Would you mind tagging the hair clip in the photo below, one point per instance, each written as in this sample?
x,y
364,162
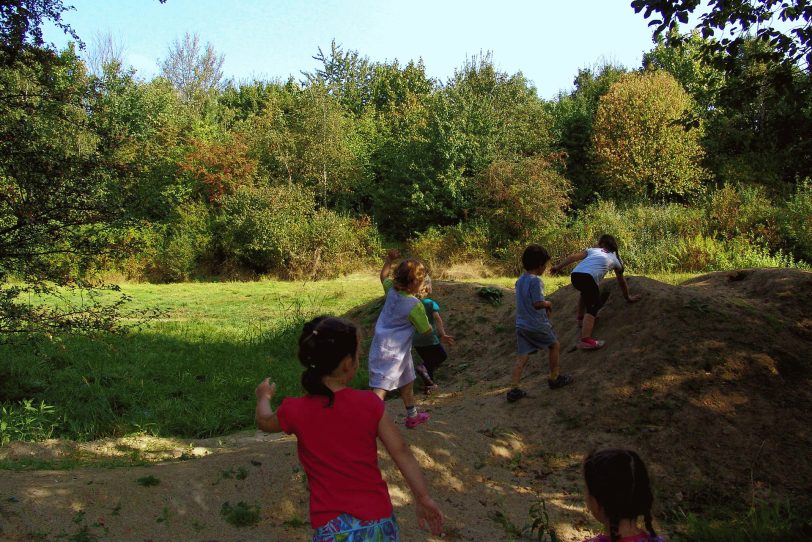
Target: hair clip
x,y
315,332
312,366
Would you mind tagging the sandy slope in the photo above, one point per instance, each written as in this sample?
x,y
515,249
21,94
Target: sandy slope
x,y
710,381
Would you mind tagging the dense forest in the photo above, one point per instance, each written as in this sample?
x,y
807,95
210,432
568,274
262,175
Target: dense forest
x,y
695,161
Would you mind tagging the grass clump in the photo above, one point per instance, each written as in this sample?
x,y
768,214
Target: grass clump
x,y
241,514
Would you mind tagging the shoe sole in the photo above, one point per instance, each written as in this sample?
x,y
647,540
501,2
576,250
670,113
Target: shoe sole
x,y
580,346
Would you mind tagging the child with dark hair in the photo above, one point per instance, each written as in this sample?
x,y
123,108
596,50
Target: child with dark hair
x,y
618,492
594,263
533,328
337,428
429,346
390,354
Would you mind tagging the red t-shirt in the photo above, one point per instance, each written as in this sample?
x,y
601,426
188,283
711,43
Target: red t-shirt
x,y
338,449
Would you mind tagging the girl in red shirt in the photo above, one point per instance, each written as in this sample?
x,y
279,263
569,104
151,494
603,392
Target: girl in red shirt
x,y
337,428
618,492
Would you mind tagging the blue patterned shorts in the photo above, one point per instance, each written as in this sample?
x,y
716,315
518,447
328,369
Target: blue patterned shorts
x,y
346,528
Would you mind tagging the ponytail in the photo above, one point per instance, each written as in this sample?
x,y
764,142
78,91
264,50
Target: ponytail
x,y
618,480
325,341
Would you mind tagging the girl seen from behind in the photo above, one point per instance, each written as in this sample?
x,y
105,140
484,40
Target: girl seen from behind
x,y
586,277
618,492
337,428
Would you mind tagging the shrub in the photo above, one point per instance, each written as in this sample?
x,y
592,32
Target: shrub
x,y
278,230
796,221
183,245
517,198
27,422
442,247
742,210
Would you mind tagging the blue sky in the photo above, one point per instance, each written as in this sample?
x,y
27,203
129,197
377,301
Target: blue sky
x,y
271,39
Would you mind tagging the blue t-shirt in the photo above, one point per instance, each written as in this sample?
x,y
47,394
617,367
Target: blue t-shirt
x,y
530,290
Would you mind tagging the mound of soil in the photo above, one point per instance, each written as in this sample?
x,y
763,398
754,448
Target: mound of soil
x,y
711,381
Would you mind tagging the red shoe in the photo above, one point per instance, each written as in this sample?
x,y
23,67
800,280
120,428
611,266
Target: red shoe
x,y
414,421
588,343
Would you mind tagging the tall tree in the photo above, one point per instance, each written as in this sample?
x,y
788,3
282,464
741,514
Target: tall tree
x,y
640,146
194,70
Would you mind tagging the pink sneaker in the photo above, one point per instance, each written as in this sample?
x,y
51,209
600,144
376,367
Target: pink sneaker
x,y
414,421
588,343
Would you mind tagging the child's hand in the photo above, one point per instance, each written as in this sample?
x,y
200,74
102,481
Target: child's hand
x,y
265,390
548,307
634,298
392,254
448,339
554,269
428,513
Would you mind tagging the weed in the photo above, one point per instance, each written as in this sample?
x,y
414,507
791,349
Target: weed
x,y
490,294
83,535
509,527
164,517
765,522
295,523
540,522
241,514
148,481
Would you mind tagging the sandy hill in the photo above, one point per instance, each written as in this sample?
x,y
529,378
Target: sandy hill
x,y
711,381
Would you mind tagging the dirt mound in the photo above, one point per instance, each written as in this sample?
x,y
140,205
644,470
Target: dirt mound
x,y
710,381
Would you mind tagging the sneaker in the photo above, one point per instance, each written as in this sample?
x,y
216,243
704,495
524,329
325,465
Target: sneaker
x,y
588,343
559,382
414,421
515,394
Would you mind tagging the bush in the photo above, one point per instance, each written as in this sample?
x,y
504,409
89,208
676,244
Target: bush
x,y
742,210
440,248
184,245
27,422
796,222
278,230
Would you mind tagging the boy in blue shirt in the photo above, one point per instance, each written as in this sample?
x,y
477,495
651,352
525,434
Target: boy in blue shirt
x,y
533,328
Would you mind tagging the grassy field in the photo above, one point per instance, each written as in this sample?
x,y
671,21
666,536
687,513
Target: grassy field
x,y
189,373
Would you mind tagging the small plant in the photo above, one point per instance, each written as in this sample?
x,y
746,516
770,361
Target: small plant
x,y
540,522
490,294
295,523
27,422
148,481
241,514
164,517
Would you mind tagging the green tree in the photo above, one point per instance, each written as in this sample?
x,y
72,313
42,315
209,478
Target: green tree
x,y
195,71
572,116
640,145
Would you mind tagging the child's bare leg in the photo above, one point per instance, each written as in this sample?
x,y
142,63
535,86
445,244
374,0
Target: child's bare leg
x,y
581,307
407,394
555,351
589,323
518,369
380,393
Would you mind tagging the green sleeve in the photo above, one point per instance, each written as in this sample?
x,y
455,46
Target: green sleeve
x,y
387,284
420,319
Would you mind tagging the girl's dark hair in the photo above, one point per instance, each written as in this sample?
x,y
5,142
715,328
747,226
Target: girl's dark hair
x,y
608,242
324,342
534,256
619,481
408,272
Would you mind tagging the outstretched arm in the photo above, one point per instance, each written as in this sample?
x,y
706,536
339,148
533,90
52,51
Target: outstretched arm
x,y
438,321
264,414
572,258
624,287
391,256
428,513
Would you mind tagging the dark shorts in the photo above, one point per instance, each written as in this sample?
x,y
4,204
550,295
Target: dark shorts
x,y
590,292
432,356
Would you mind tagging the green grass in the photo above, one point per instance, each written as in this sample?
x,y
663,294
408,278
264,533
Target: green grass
x,y
190,373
